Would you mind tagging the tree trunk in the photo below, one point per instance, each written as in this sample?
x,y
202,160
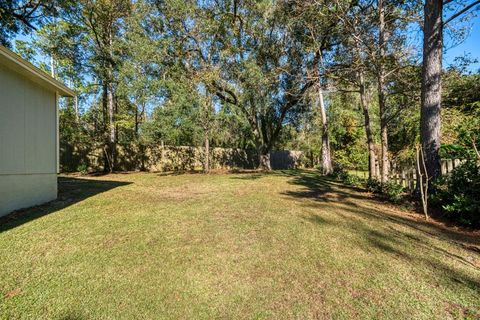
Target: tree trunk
x,y
372,172
136,121
431,87
207,153
206,130
53,71
264,158
326,158
111,106
385,163
112,141
75,105
104,129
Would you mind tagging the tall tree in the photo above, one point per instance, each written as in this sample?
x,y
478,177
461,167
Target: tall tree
x,y
22,16
101,22
327,167
432,86
431,98
251,57
321,36
353,70
382,40
389,56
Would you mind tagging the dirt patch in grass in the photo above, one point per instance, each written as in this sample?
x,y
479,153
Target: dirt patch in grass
x,y
13,293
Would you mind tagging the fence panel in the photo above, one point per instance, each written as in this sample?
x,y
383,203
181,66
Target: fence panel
x,y
170,158
407,175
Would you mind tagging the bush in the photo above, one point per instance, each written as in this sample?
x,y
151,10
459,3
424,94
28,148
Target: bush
x,y
373,185
392,191
338,172
341,174
82,168
352,180
458,195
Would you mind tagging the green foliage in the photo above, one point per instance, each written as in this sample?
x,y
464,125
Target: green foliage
x,y
82,168
393,191
341,174
21,17
26,51
458,195
347,136
353,180
173,125
389,190
374,186
462,90
461,116
242,74
338,171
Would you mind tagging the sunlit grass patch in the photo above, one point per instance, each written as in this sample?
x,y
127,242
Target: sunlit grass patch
x,y
282,245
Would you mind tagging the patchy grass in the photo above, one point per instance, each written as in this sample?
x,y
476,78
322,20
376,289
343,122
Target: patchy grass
x,y
359,173
282,245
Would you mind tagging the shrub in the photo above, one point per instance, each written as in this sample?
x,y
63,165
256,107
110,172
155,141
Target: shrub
x,y
352,180
338,172
458,195
82,168
373,185
392,191
341,174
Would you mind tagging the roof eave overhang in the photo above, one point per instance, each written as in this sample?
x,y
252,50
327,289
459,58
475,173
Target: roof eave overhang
x,y
19,65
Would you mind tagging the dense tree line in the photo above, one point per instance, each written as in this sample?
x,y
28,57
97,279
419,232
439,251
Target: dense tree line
x,y
341,80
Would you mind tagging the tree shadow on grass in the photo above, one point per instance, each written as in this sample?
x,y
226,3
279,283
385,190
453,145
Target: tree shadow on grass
x,y
73,316
350,199
395,234
440,266
318,188
70,191
179,173
249,176
246,174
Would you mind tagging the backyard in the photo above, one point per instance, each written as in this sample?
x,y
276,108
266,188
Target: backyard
x,y
287,244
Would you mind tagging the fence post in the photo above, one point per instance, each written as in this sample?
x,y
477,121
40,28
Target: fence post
x,y
456,163
449,165
414,179
407,176
411,185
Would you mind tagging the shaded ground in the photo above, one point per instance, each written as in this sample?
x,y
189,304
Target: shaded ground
x,y
282,245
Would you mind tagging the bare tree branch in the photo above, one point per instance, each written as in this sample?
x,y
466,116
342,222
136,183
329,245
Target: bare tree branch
x,y
462,11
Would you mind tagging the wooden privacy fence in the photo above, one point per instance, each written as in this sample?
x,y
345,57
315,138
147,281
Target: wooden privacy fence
x,y
407,175
158,158
286,159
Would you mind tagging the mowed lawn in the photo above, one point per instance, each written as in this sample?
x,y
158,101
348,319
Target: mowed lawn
x,y
286,245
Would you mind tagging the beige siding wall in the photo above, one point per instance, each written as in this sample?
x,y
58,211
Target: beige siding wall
x,y
28,133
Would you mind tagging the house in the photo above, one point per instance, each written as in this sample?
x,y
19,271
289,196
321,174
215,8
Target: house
x,y
29,154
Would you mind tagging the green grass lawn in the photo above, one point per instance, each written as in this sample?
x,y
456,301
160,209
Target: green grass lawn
x,y
232,246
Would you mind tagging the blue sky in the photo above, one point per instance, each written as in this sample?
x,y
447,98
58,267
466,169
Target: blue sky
x,y
470,46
